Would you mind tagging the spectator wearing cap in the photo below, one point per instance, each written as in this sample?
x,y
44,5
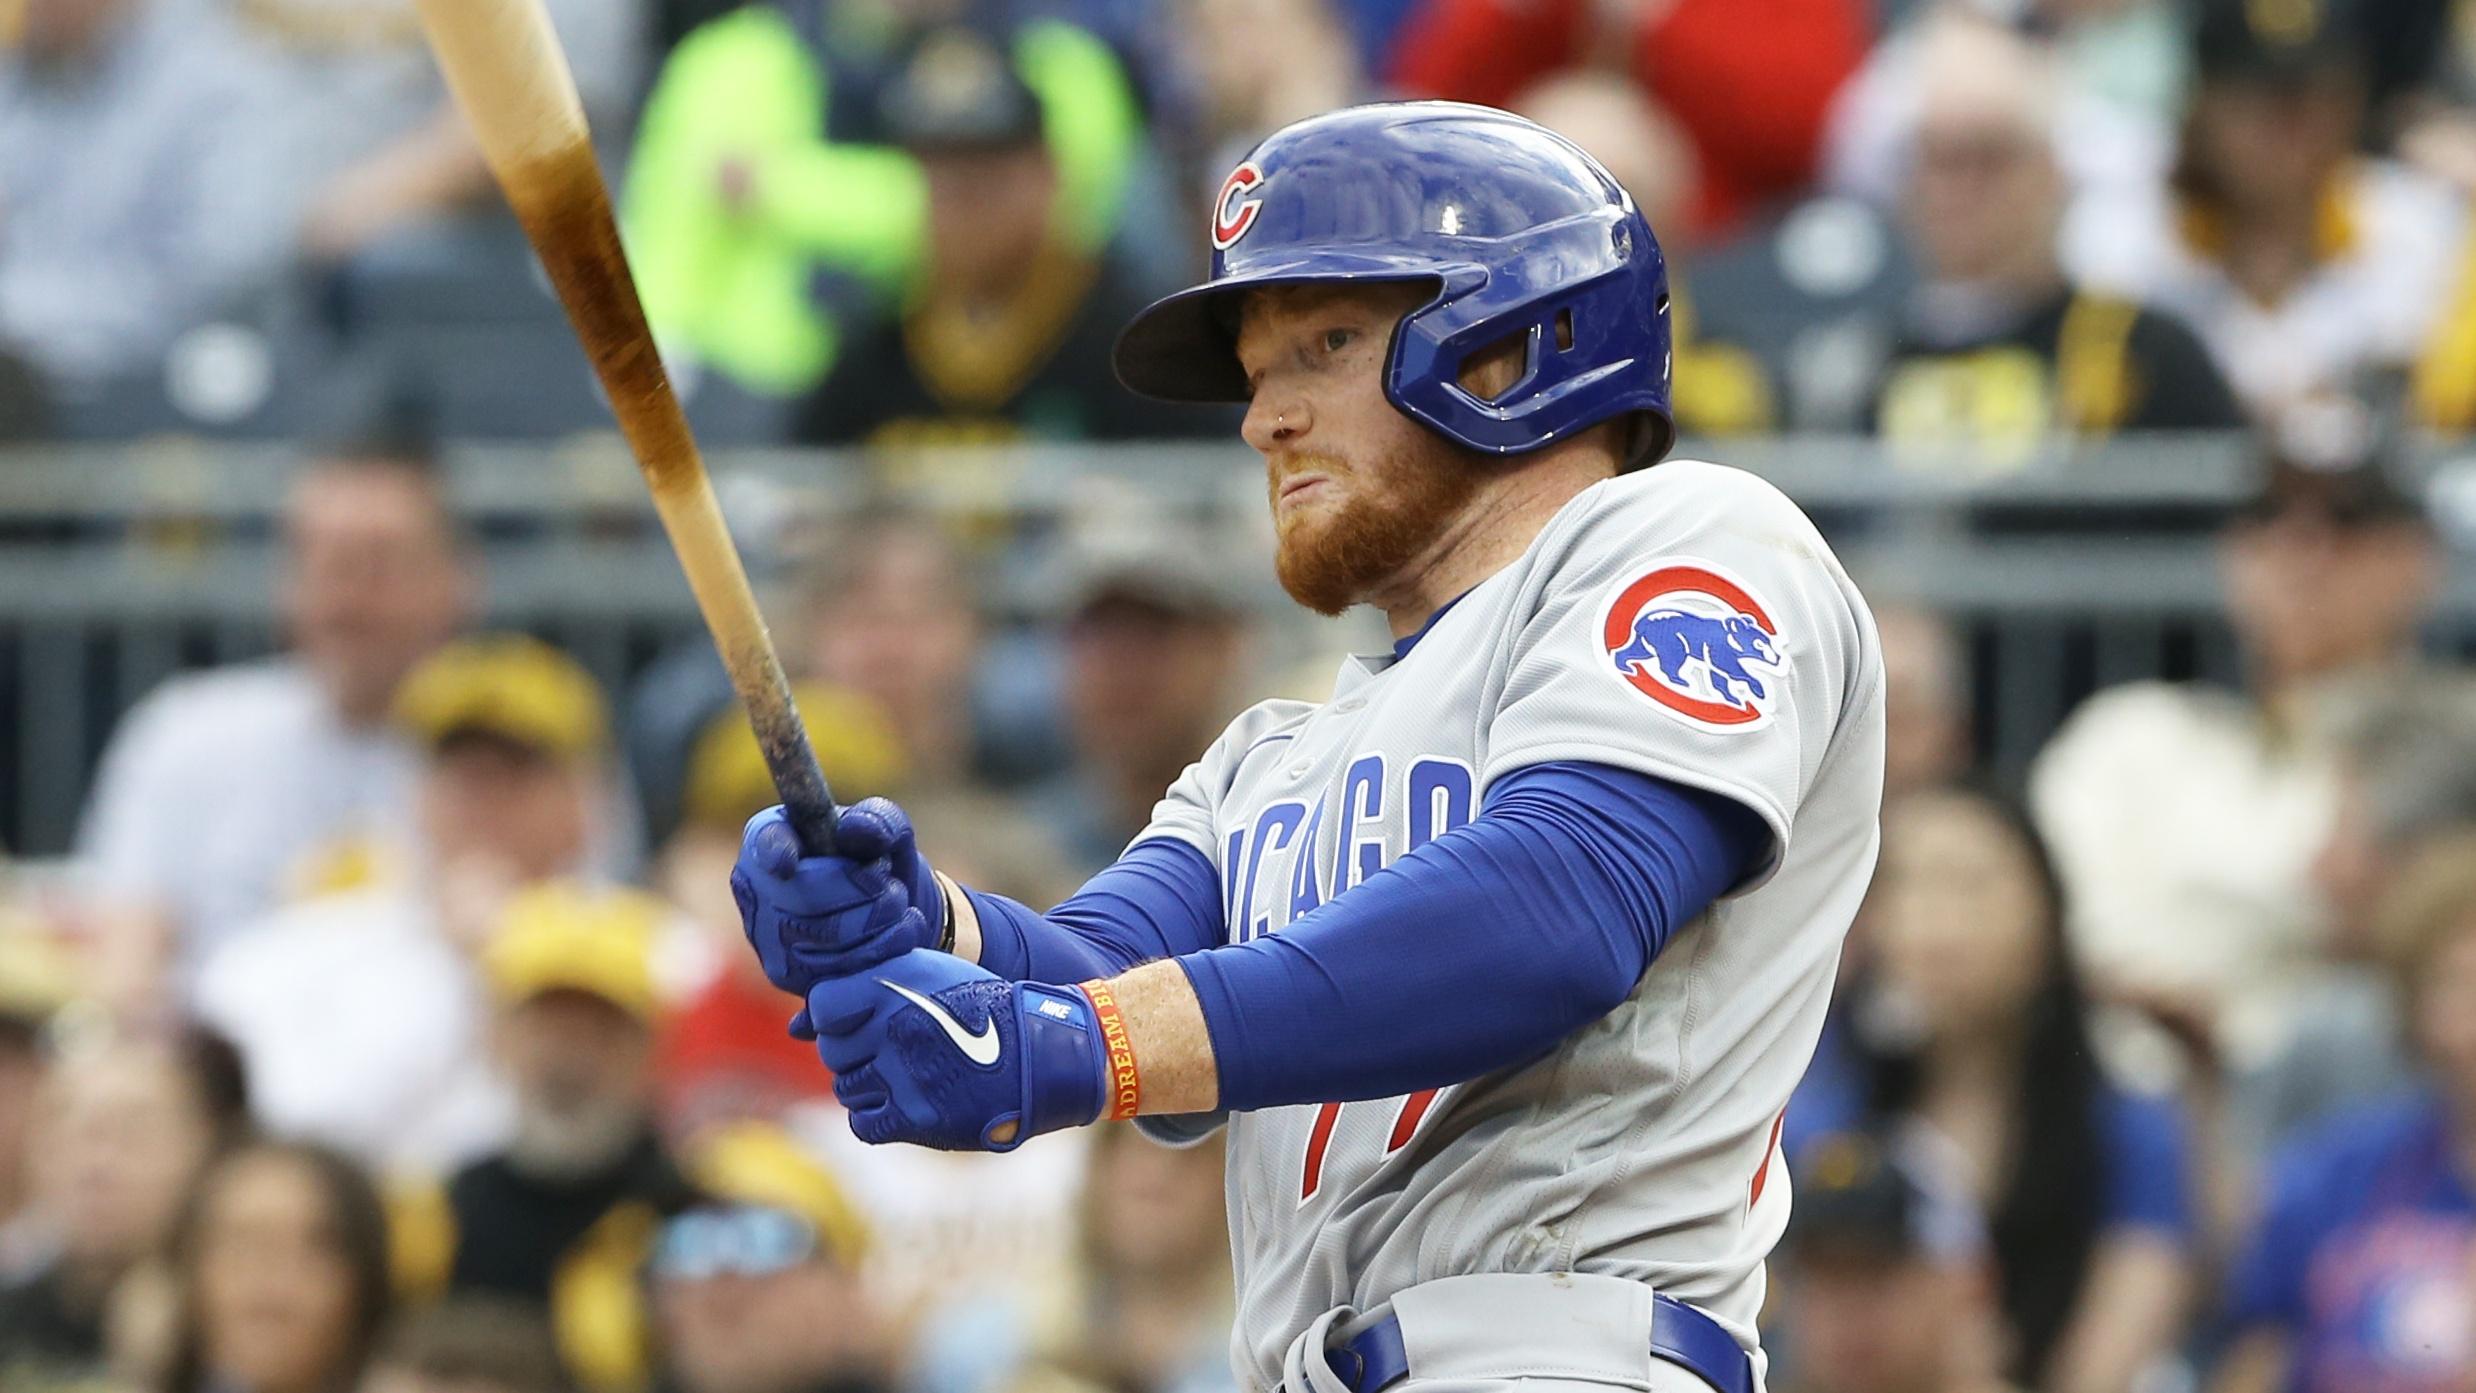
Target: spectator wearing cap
x,y
1886,1280
773,214
2361,1273
560,1216
1008,333
2186,818
1155,642
504,709
1999,350
217,790
1969,1019
2304,266
756,1288
121,1130
134,146
514,735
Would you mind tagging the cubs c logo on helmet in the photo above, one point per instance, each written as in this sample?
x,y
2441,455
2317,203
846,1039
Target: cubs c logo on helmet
x,y
1695,643
1233,212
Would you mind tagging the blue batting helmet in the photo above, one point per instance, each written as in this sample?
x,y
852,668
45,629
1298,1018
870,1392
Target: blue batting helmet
x,y
1521,233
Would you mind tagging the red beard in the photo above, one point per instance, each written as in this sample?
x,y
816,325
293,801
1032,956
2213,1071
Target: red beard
x,y
1329,559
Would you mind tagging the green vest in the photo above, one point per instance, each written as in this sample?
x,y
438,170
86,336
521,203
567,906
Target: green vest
x,y
735,286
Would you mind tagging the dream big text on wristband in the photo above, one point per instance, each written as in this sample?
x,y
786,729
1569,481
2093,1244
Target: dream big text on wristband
x,y
1125,1082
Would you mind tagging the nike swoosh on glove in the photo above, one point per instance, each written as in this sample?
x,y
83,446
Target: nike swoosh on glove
x,y
814,917
930,1049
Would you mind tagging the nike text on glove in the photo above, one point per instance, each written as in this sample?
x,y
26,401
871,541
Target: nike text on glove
x,y
814,917
929,1049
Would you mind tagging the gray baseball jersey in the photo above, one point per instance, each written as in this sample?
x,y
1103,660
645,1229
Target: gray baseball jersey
x,y
1686,621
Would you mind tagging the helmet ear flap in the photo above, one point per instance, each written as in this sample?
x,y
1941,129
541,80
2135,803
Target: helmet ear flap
x,y
1494,371
1649,436
1497,372
1504,372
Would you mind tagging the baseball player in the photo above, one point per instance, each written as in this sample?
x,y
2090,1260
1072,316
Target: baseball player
x,y
1499,965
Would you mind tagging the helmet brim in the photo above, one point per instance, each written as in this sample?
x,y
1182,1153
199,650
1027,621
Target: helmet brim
x,y
1184,347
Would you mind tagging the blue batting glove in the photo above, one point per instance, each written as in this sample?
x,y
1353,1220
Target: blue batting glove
x,y
814,917
932,1050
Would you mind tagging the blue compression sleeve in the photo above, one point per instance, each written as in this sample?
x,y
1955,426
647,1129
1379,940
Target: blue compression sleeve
x,y
1160,900
1480,950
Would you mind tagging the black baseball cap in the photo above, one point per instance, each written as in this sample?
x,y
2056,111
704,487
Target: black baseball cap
x,y
1884,1197
2277,40
957,91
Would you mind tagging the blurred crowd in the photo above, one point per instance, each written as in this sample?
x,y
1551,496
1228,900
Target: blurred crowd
x,y
389,1027
1972,223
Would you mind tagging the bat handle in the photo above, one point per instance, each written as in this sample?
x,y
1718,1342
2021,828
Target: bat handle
x,y
809,808
806,801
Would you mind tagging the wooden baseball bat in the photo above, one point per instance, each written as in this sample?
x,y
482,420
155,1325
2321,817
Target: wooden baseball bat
x,y
504,65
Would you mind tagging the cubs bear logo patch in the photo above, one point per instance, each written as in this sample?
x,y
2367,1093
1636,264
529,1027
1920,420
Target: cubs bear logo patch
x,y
1697,644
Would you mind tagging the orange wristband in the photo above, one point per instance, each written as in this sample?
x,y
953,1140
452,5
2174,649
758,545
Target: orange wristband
x,y
1125,1082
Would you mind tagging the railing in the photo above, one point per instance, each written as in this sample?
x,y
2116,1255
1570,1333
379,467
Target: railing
x,y
121,565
